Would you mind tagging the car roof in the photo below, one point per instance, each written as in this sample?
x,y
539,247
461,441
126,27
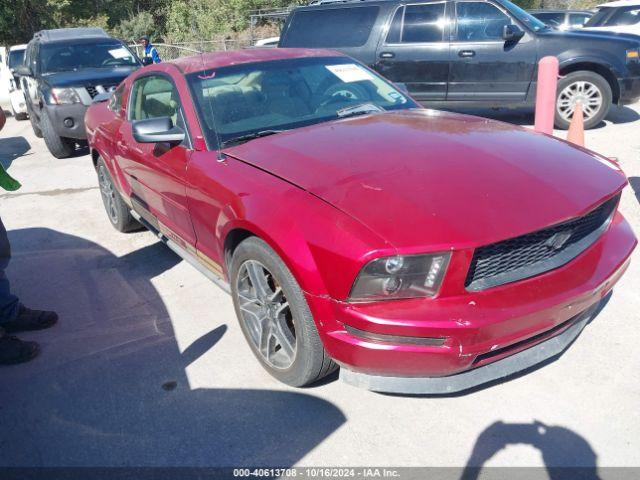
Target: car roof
x,y
621,3
62,34
18,47
198,63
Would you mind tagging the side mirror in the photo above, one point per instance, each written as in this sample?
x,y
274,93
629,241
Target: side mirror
x,y
157,130
23,71
147,61
512,33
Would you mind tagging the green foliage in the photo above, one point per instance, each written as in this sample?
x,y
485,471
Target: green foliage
x,y
133,28
189,20
529,4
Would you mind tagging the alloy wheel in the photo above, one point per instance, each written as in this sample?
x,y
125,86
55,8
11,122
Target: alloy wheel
x,y
588,94
266,314
108,194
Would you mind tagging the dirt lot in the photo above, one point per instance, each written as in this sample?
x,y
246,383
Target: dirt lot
x,y
148,367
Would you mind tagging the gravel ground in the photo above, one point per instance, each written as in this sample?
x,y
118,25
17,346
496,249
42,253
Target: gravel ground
x,y
148,367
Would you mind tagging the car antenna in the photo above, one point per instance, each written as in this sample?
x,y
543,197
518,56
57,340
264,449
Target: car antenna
x,y
203,76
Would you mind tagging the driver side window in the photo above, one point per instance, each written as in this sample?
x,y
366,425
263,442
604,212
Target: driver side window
x,y
480,22
155,96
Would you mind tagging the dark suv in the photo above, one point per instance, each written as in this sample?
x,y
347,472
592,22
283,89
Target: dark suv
x,y
63,71
473,53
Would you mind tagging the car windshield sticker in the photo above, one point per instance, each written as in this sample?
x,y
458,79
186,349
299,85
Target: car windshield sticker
x,y
350,72
119,53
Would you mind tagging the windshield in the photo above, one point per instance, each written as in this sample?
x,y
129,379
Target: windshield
x,y
254,99
525,17
16,57
63,57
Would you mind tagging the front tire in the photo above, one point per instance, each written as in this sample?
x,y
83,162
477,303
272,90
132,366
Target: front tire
x,y
37,131
60,147
591,89
117,211
274,316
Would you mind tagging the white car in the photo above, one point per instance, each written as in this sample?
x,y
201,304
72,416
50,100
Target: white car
x,y
270,42
15,58
622,16
10,85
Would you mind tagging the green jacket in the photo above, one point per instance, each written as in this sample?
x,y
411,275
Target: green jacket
x,y
6,181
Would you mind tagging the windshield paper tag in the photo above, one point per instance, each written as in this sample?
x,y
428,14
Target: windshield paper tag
x,y
349,72
119,53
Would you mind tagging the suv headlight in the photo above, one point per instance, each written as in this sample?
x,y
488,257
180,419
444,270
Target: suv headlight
x,y
63,96
409,276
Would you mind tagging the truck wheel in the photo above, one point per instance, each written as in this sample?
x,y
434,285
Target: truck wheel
x,y
60,147
274,316
589,88
34,123
117,211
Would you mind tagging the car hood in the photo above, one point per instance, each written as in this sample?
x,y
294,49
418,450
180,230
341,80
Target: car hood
x,y
89,76
589,34
420,177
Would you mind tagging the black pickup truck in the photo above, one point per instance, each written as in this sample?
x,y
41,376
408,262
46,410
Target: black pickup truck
x,y
473,53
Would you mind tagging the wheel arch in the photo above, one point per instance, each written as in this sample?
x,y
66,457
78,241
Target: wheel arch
x,y
598,68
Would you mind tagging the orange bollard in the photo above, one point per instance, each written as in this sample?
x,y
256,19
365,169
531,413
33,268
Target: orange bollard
x,y
548,68
575,134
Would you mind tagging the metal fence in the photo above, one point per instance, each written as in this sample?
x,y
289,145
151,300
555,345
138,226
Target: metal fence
x,y
176,50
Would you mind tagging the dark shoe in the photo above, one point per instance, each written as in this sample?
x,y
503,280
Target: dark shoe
x,y
28,319
13,350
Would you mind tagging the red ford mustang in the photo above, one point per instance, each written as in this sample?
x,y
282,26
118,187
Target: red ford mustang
x,y
423,252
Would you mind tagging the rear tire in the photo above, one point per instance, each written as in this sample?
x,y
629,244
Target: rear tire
x,y
60,147
118,212
591,89
276,323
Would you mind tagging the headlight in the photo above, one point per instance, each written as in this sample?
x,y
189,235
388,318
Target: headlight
x,y
61,96
409,276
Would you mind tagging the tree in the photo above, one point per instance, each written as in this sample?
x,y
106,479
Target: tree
x,y
133,28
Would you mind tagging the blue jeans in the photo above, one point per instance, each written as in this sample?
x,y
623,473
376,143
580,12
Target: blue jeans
x,y
8,302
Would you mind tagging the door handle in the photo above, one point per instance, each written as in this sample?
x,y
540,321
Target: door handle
x,y
467,53
387,55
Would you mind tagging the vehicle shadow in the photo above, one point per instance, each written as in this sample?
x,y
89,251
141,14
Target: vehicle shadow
x,y
11,149
110,388
635,185
565,453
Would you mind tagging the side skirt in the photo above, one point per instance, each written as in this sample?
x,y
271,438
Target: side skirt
x,y
195,261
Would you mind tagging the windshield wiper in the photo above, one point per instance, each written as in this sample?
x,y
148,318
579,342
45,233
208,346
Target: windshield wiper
x,y
362,109
249,136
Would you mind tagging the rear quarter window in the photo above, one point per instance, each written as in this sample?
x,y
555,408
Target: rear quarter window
x,y
331,28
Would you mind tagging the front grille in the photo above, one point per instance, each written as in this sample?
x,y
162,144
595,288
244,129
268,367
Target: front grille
x,y
95,90
537,252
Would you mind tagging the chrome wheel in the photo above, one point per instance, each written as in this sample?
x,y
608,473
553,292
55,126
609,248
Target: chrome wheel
x,y
266,315
587,93
108,194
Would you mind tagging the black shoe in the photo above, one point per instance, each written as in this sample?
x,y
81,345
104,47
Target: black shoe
x,y
13,350
28,319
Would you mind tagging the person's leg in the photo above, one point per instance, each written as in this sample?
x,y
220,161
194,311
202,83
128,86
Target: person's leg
x,y
15,317
12,349
8,302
